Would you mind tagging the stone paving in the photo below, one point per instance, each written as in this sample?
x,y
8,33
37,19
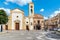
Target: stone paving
x,y
28,35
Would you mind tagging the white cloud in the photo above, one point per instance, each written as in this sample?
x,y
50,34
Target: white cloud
x,y
54,14
45,17
6,3
6,10
42,10
19,2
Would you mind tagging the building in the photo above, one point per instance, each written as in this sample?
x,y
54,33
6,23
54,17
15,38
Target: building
x,y
17,20
53,22
38,20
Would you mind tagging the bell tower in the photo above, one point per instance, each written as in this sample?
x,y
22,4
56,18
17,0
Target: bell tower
x,y
31,9
31,14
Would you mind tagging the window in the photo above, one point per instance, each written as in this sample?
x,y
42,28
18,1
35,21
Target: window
x,y
42,21
38,21
17,16
26,22
31,10
59,21
34,21
31,6
56,22
31,23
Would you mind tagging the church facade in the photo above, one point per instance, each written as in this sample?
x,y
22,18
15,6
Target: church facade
x,y
17,20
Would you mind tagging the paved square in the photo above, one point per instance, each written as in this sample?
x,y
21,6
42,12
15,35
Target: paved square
x,y
27,35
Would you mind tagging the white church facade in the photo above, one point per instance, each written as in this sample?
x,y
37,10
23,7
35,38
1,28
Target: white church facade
x,y
17,20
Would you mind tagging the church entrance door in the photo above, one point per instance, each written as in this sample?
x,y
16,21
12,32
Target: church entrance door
x,y
16,26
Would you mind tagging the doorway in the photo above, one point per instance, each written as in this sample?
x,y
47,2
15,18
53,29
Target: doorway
x,y
38,27
16,26
6,27
27,27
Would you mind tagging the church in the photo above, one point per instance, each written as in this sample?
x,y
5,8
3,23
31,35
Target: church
x,y
17,20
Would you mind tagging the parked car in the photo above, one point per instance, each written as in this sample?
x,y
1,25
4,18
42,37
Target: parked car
x,y
55,29
58,29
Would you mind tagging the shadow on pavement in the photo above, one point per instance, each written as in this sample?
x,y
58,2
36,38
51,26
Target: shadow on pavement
x,y
52,35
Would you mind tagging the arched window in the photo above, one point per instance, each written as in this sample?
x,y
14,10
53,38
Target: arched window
x,y
26,22
17,16
38,21
31,6
31,23
31,11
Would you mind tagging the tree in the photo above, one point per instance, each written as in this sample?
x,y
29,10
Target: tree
x,y
3,18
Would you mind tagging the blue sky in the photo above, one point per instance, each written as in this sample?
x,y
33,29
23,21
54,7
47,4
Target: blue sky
x,y
47,8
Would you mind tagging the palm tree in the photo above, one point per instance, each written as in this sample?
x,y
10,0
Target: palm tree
x,y
3,18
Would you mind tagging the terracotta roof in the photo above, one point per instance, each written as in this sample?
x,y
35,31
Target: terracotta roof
x,y
37,16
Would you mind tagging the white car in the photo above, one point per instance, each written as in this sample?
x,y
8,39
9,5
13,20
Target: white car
x,y
59,29
55,29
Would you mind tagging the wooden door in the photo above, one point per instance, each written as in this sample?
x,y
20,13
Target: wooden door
x,y
16,26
